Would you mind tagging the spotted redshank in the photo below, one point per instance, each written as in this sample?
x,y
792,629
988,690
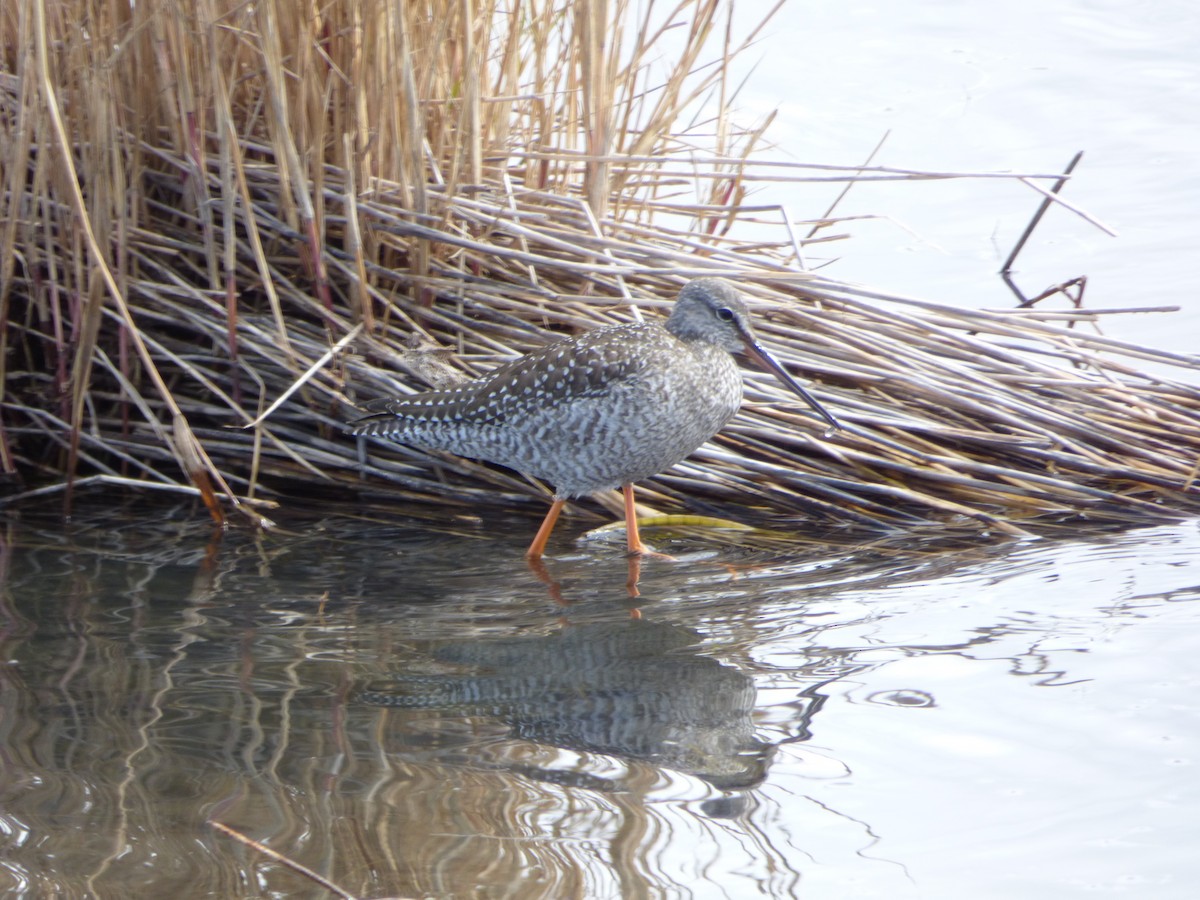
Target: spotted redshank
x,y
599,411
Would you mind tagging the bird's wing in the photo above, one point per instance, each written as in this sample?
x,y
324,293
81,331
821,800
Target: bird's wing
x,y
558,373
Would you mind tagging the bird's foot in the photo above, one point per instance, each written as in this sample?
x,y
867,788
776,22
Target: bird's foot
x,y
645,552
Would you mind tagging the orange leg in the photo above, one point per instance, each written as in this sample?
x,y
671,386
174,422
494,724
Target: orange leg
x,y
543,536
633,540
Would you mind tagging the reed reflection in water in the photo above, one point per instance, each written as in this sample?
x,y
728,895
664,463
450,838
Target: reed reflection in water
x,y
452,737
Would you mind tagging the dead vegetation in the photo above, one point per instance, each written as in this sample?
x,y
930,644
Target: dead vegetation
x,y
223,223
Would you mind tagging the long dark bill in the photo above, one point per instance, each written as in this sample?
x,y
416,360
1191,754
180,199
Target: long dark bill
x,y
756,352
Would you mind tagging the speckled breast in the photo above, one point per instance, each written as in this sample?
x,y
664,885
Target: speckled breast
x,y
638,427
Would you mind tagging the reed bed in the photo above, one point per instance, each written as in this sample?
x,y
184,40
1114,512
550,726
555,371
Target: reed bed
x,y
224,224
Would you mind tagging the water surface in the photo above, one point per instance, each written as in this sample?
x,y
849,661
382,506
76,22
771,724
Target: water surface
x,y
958,86
411,713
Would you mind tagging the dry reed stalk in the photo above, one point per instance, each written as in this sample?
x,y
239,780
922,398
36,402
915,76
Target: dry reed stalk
x,y
452,181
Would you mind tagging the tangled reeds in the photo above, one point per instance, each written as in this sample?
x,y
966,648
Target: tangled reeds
x,y
222,224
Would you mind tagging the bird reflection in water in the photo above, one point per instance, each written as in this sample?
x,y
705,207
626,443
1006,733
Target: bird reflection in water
x,y
637,691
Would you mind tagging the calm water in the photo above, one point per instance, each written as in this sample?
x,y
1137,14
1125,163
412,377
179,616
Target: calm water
x,y
956,87
411,713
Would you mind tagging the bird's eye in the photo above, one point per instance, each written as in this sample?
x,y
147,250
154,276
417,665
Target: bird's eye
x,y
725,314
